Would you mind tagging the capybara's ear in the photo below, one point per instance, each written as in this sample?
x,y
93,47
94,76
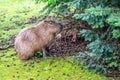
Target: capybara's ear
x,y
48,20
44,17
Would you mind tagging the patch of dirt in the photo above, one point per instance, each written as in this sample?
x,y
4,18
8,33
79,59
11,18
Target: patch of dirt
x,y
70,43
7,43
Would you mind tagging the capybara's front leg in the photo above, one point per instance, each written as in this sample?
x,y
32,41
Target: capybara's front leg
x,y
47,50
44,53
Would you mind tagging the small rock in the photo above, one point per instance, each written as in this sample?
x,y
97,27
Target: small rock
x,y
8,65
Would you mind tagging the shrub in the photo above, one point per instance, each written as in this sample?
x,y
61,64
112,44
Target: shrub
x,y
103,43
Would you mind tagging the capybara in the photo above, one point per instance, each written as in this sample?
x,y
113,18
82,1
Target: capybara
x,y
37,38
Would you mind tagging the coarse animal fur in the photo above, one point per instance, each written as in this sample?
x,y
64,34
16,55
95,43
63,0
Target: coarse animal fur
x,y
37,38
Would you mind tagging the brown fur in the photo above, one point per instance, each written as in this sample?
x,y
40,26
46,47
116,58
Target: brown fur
x,y
36,38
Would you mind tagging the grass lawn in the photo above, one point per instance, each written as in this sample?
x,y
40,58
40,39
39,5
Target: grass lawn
x,y
54,68
15,15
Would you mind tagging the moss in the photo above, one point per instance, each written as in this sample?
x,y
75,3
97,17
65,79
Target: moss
x,y
42,69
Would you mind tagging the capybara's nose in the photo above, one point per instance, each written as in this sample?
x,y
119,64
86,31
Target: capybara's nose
x,y
60,26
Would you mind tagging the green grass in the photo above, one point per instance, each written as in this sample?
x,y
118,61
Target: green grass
x,y
14,15
54,68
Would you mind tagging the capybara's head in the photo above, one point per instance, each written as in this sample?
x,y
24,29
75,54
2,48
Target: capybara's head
x,y
54,27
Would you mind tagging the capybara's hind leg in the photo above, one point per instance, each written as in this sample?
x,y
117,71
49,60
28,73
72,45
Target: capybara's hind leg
x,y
25,56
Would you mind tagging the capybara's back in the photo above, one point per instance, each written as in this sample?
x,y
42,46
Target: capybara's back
x,y
36,38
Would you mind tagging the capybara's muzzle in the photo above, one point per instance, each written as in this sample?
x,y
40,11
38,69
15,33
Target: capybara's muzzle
x,y
60,26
